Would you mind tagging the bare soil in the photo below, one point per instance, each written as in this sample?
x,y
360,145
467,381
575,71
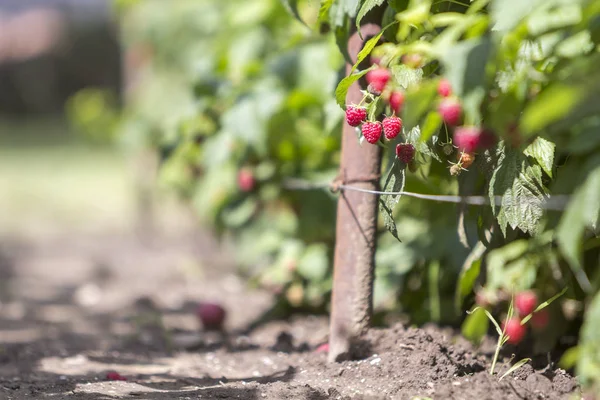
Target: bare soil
x,y
73,309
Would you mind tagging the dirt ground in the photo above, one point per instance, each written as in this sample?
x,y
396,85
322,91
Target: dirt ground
x,y
73,309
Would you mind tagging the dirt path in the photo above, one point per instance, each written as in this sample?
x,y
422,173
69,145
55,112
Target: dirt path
x,y
74,308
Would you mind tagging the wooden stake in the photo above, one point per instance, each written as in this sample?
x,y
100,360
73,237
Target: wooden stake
x,y
352,297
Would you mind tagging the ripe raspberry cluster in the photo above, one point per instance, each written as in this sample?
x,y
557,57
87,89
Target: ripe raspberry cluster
x,y
525,304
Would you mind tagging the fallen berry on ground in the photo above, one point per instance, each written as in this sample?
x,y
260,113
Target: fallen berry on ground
x,y
391,127
355,115
323,348
245,180
211,315
396,101
451,111
378,78
514,330
444,88
372,131
525,302
115,376
405,152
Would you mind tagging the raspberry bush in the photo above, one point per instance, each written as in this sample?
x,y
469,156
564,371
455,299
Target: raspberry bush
x,y
491,98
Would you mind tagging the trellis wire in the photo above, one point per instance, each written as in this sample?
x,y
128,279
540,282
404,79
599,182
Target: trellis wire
x,y
554,202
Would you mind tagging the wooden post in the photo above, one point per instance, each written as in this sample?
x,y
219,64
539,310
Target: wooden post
x,y
352,296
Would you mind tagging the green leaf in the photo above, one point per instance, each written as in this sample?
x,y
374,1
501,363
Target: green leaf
x,y
407,77
367,49
324,10
414,137
588,366
464,63
468,274
542,151
342,88
418,102
236,216
432,123
314,263
511,268
393,183
367,5
515,367
569,358
292,7
519,183
475,326
582,211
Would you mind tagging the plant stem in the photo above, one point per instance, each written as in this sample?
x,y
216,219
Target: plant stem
x,y
495,359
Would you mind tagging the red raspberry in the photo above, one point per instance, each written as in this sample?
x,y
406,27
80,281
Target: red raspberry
x,y
391,127
396,101
245,180
211,315
540,319
115,376
378,78
514,330
451,111
467,138
355,115
372,131
466,159
525,302
444,88
323,348
405,152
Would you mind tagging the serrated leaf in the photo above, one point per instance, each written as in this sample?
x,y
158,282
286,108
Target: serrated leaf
x,y
519,183
582,211
367,5
393,183
324,10
342,88
414,137
406,76
542,151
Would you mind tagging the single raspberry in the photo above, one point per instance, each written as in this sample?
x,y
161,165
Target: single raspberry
x,y
211,315
444,88
323,348
377,78
355,115
391,127
245,180
115,376
525,302
514,330
467,138
540,319
396,101
488,139
405,152
372,131
466,159
451,111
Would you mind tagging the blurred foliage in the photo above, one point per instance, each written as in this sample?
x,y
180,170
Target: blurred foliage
x,y
228,90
